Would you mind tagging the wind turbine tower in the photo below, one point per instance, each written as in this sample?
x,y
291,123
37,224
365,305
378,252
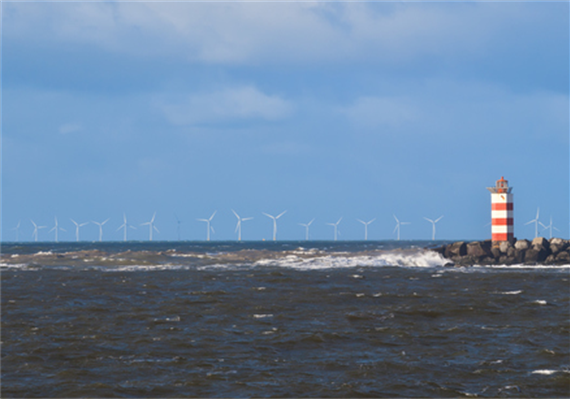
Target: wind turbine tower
x,y
151,227
536,222
335,225
17,228
366,227
433,222
549,227
238,226
274,222
124,227
208,221
36,228
502,221
306,225
100,224
77,226
397,228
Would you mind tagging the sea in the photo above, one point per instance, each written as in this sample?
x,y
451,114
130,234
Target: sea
x,y
277,319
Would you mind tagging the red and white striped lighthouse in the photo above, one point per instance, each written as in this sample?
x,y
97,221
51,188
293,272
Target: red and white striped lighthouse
x,y
502,226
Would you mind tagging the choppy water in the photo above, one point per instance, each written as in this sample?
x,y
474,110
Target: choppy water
x,y
381,319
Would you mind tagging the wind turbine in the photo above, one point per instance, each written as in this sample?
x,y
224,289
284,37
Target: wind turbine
x,y
433,222
36,228
17,228
238,226
535,221
178,222
100,228
335,227
151,226
56,228
208,221
274,222
306,225
77,226
366,227
124,226
550,226
398,224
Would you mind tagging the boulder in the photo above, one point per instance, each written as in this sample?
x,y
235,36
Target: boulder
x,y
560,243
477,249
535,254
496,252
540,242
504,246
563,258
554,249
521,245
511,252
519,255
456,249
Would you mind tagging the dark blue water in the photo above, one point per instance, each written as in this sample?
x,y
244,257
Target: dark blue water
x,y
376,319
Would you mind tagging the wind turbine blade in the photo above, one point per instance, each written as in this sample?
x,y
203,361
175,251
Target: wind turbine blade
x,y
537,212
212,228
371,220
74,222
144,224
153,216
395,228
120,227
244,219
405,223
105,221
132,227
339,220
281,214
154,227
202,220
361,221
35,225
545,227
62,229
429,220
211,217
268,215
555,228
235,213
396,218
438,219
311,222
532,221
83,224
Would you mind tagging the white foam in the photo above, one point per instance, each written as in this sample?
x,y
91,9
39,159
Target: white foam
x,y
510,292
545,372
262,316
405,259
540,302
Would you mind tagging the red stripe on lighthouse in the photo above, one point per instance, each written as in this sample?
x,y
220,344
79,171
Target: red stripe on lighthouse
x,y
502,236
503,222
502,206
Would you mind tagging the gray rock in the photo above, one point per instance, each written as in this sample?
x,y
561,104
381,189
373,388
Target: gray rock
x,y
504,246
560,243
496,252
540,242
511,252
456,249
519,255
563,257
522,244
477,250
535,254
554,249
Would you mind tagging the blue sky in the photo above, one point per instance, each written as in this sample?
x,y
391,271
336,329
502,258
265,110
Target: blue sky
x,y
326,110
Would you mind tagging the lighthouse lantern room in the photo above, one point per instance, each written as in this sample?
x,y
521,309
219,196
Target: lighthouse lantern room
x,y
502,226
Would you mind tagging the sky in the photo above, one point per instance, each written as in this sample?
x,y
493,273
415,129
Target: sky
x,y
359,110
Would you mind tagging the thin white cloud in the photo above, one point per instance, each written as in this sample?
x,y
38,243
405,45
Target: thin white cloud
x,y
260,33
244,103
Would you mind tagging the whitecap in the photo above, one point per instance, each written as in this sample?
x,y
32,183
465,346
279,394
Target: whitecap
x,y
540,302
262,316
545,372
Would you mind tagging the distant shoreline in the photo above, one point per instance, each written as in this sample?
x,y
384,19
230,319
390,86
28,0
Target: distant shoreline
x,y
540,251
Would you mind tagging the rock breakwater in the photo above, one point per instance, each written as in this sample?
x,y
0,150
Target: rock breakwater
x,y
540,251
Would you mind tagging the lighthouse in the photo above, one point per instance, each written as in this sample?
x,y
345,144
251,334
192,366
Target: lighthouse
x,y
502,226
